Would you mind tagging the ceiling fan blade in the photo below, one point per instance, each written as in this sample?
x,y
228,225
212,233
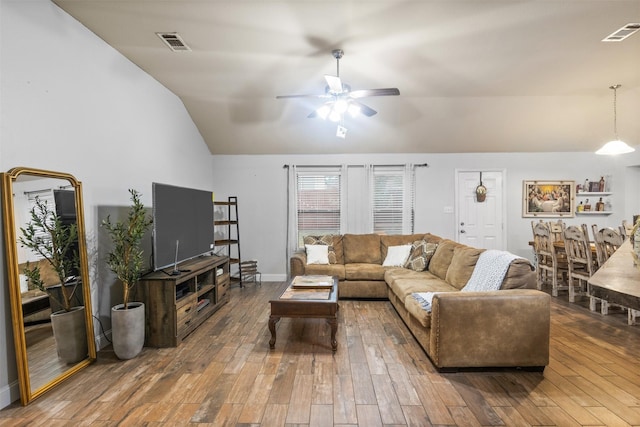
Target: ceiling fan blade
x,y
366,110
390,91
303,96
335,84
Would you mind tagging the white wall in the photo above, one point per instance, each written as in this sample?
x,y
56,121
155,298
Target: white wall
x,y
69,102
260,184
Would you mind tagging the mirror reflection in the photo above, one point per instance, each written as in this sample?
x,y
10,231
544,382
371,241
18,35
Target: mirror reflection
x,y
47,265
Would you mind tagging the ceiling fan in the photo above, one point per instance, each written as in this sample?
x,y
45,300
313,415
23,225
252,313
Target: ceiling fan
x,y
341,99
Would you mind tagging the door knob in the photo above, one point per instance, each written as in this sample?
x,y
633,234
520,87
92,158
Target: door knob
x,y
462,231
462,223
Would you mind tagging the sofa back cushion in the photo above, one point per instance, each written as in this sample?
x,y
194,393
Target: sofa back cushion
x,y
386,241
462,264
432,238
338,248
521,275
362,248
440,261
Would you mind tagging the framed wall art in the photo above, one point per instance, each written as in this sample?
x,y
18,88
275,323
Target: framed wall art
x,y
548,199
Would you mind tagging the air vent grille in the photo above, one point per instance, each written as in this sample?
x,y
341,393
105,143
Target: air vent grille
x,y
174,41
622,33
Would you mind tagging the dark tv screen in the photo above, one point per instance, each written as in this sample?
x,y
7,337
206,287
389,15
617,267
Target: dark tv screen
x,y
65,201
182,219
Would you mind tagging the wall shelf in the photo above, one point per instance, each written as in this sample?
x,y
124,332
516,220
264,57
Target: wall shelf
x,y
583,194
595,213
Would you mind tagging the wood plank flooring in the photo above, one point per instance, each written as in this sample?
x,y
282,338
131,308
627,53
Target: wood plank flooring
x,y
225,375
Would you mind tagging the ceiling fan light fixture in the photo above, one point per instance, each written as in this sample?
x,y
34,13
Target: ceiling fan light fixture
x,y
340,106
616,146
353,109
334,116
323,111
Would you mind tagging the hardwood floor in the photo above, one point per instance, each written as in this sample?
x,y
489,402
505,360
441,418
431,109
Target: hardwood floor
x,y
225,374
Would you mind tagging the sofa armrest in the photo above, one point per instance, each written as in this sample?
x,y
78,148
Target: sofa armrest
x,y
490,329
297,263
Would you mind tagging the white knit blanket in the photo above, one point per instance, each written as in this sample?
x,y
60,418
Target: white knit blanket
x,y
487,275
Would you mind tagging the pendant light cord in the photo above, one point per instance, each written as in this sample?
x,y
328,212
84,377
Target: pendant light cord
x,y
615,112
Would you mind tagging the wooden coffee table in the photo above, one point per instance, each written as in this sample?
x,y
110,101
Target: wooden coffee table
x,y
314,303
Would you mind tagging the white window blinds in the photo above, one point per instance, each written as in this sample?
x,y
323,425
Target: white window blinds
x,y
46,197
318,198
392,200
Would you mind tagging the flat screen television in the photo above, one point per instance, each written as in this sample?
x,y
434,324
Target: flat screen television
x,y
65,204
182,224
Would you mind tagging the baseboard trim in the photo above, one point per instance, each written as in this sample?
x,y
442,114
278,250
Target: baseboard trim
x,y
9,394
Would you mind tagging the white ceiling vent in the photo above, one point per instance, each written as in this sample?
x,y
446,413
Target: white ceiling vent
x,y
174,41
622,33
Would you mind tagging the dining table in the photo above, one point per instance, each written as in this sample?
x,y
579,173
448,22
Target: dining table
x,y
618,280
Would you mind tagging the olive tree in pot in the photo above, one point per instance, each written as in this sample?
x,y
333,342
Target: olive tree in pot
x,y
56,243
125,260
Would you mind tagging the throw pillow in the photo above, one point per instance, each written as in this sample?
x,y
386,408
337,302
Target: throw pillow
x,y
421,253
317,254
327,240
397,256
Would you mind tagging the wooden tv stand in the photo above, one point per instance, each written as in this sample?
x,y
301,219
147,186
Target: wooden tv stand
x,y
175,305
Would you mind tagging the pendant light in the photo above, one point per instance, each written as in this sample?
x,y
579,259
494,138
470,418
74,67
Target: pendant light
x,y
616,146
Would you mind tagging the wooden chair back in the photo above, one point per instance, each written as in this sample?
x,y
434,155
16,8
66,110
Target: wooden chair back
x,y
578,249
626,229
610,241
547,261
557,230
542,241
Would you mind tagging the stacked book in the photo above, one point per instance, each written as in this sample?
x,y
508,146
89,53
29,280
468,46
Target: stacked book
x,y
312,282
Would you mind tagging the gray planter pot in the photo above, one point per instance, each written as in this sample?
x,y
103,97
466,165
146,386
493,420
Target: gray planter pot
x,y
127,329
70,333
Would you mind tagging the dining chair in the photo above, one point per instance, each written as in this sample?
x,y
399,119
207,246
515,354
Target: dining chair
x,y
626,229
547,263
581,265
607,241
557,230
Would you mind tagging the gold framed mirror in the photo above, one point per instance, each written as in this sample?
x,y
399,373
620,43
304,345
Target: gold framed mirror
x,y
58,292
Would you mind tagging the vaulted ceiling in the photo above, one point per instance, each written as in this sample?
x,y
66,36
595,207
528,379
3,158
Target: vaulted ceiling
x,y
474,76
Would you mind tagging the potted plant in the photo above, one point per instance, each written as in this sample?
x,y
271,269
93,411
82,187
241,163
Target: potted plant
x,y
56,243
126,260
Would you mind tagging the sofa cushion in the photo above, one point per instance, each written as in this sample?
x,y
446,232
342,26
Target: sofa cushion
x,y
362,248
421,254
432,238
338,248
403,282
363,271
386,241
327,240
463,261
415,309
441,259
325,270
521,275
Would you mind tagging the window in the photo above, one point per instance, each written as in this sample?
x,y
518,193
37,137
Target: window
x,y
349,199
318,203
392,200
46,197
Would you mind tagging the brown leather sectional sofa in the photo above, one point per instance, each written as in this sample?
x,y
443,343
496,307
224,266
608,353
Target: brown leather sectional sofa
x,y
504,328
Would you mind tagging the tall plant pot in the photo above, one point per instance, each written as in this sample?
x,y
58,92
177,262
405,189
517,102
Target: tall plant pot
x,y
70,333
127,329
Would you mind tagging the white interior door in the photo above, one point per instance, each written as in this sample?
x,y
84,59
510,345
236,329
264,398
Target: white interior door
x,y
480,224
